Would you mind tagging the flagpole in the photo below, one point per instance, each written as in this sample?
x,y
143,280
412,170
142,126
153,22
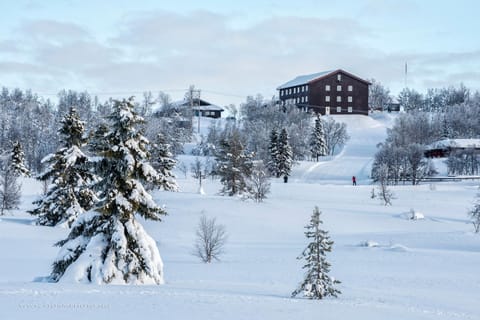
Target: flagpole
x,y
406,70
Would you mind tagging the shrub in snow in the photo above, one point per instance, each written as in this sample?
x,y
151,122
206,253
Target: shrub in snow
x,y
369,244
70,194
9,188
258,184
108,244
415,215
211,239
317,283
475,215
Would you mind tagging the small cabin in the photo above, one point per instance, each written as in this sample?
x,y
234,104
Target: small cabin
x,y
443,148
202,108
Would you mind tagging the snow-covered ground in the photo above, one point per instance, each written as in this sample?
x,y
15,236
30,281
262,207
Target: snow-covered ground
x,y
391,267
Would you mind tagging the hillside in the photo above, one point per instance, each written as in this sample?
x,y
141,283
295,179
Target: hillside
x,y
391,267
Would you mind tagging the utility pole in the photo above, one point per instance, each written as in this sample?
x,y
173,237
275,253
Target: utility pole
x,y
193,96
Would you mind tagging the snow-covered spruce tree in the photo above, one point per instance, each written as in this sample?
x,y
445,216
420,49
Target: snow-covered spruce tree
x,y
162,160
234,164
318,145
272,163
474,214
69,194
108,244
285,156
18,160
317,283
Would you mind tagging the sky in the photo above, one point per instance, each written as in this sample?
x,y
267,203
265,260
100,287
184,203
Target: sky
x,y
233,49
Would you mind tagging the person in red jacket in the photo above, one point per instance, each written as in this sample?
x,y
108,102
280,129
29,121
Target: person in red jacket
x,y
354,181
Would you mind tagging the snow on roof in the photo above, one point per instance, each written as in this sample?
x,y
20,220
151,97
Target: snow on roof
x,y
455,143
204,105
304,79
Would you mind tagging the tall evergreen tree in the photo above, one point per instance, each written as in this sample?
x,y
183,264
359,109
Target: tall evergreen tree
x,y
318,144
162,160
317,283
285,156
69,195
272,163
234,164
108,244
18,160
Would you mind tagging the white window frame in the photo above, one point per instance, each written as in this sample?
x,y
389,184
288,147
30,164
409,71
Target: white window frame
x,y
327,110
339,98
327,87
327,98
339,77
339,109
339,88
350,88
350,109
306,98
350,99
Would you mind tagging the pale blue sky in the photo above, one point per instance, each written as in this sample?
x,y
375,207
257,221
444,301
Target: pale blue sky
x,y
235,48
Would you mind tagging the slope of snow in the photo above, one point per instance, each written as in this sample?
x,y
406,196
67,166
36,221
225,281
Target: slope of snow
x,y
391,267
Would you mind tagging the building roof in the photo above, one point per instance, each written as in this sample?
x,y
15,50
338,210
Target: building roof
x,y
455,143
308,78
199,104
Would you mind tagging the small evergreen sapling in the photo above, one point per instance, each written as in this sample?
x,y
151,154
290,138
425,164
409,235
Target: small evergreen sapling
x,y
285,156
18,161
318,144
317,283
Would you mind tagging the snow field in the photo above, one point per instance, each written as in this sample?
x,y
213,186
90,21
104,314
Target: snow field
x,y
419,269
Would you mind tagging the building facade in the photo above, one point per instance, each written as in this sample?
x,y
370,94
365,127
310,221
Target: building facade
x,y
328,92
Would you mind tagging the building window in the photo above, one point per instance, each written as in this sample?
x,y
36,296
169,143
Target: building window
x,y
303,88
339,99
306,88
339,77
327,87
350,109
327,98
350,99
303,99
306,99
350,88
298,100
339,109
281,93
339,88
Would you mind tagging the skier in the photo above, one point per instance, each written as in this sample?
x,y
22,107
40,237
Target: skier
x,y
354,181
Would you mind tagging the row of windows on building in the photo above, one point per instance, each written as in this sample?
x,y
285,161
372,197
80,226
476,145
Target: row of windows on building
x,y
304,99
304,88
339,109
339,99
294,90
339,88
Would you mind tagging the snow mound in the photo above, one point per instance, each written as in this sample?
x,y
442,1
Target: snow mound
x,y
398,248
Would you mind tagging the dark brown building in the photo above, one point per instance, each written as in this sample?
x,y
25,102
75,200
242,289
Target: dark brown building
x,y
328,92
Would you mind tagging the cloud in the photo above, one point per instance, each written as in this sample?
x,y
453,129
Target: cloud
x,y
163,50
